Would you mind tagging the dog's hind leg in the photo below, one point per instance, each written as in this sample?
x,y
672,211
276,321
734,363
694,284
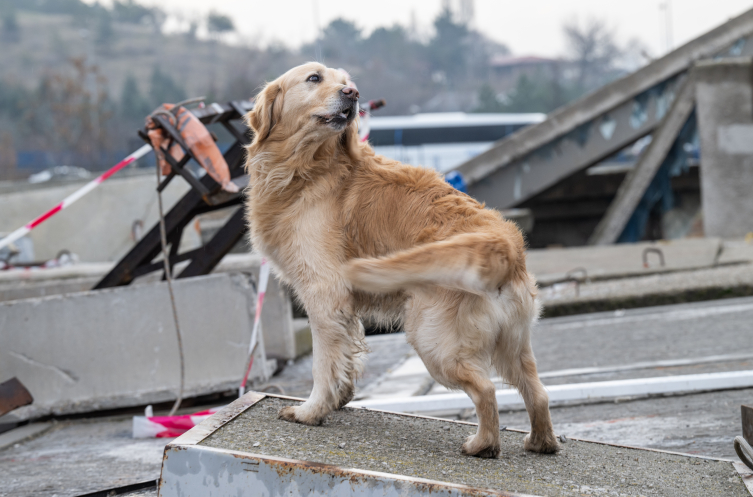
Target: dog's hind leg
x,y
478,386
518,367
456,351
338,344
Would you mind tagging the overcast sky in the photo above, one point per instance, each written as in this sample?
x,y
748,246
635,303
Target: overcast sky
x,y
528,27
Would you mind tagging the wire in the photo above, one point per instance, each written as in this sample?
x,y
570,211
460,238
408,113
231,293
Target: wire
x,y
168,277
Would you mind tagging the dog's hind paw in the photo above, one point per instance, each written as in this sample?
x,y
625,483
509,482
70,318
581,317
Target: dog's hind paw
x,y
545,443
294,414
476,447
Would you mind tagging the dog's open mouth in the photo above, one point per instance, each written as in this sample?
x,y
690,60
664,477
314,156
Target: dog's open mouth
x,y
338,119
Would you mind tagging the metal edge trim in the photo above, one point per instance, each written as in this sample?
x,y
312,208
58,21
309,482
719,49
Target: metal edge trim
x,y
201,431
353,472
745,474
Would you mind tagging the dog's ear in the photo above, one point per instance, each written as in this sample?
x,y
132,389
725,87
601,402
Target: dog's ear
x,y
267,111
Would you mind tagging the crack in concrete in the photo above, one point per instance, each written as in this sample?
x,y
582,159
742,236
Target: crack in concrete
x,y
66,375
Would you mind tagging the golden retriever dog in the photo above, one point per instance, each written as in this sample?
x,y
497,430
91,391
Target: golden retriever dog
x,y
357,235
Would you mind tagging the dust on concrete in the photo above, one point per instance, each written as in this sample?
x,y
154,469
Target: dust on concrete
x,y
78,457
427,448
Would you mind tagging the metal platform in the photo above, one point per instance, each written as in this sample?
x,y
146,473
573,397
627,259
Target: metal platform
x,y
245,449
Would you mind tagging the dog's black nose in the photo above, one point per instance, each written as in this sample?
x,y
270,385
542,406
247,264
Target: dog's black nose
x,y
351,93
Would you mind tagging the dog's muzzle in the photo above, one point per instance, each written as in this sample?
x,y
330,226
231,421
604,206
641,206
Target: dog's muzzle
x,y
347,111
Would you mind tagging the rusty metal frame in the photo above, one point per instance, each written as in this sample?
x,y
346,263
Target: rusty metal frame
x,y
13,394
178,463
204,196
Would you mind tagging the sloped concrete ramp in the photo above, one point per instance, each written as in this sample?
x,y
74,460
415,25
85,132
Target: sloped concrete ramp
x,y
246,450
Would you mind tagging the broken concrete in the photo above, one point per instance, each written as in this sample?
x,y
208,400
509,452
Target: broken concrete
x,y
117,347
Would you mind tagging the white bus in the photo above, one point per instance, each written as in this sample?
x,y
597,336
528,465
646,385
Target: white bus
x,y
442,140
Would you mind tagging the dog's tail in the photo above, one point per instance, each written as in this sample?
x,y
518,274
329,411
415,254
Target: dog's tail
x,y
474,262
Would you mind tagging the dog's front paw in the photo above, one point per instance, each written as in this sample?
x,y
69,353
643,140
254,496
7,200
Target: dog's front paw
x,y
543,443
475,446
297,415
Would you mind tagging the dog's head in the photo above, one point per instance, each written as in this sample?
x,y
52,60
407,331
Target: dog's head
x,y
309,100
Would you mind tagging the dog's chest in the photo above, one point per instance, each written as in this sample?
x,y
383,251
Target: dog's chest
x,y
303,241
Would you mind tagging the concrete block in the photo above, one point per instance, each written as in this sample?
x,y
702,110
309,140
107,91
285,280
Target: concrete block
x,y
724,96
621,260
277,312
304,342
100,226
117,347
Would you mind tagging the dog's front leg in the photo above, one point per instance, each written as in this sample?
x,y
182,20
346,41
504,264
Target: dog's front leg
x,y
336,365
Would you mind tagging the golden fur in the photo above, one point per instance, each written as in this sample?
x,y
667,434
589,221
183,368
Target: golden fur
x,y
358,235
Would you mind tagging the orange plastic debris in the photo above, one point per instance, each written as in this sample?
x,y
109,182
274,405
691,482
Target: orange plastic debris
x,y
198,140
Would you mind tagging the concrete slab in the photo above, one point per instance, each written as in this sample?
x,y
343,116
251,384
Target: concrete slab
x,y
117,347
247,447
18,435
567,298
622,260
79,457
282,342
127,200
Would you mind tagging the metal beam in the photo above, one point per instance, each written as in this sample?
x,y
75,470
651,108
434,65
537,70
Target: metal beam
x,y
596,126
633,187
208,256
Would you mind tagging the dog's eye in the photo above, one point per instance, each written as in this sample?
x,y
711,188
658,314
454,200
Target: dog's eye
x,y
314,78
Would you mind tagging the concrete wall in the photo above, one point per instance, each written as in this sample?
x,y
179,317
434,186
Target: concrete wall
x,y
99,226
724,106
117,347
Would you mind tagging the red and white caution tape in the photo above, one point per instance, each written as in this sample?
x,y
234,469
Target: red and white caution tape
x,y
168,426
263,280
75,196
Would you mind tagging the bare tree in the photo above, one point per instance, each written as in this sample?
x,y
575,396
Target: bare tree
x,y
594,51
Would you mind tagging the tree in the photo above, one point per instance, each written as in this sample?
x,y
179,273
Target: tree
x,y
448,48
594,51
71,111
164,89
128,11
341,41
488,101
11,29
105,33
133,105
218,23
